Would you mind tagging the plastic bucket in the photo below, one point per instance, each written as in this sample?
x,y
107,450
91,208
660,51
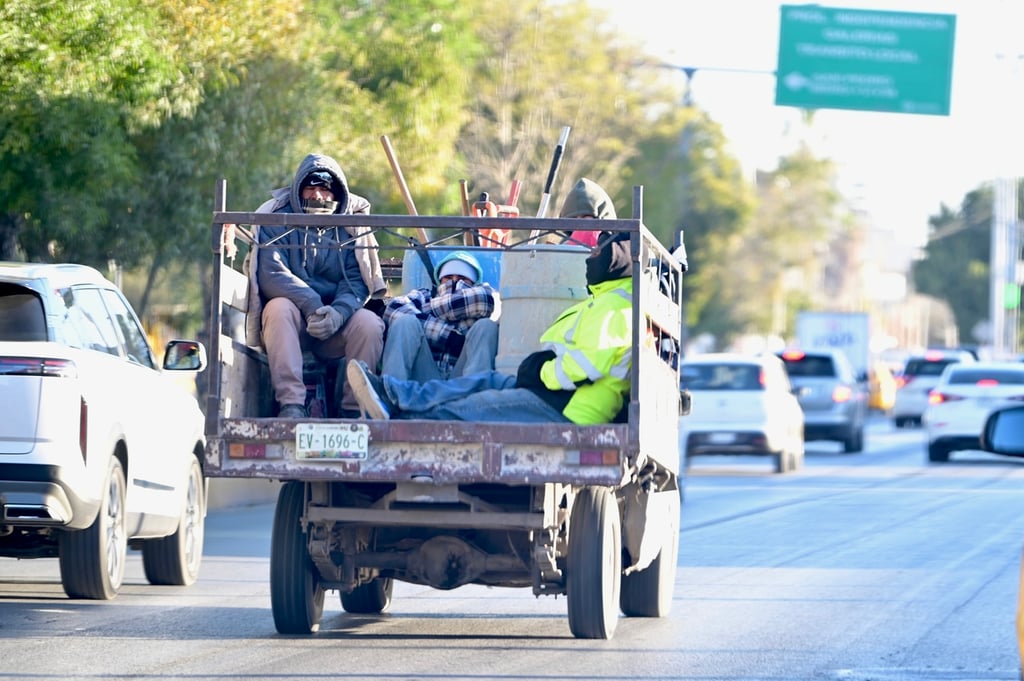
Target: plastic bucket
x,y
536,285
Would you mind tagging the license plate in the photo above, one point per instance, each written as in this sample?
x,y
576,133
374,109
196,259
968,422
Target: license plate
x,y
341,441
721,438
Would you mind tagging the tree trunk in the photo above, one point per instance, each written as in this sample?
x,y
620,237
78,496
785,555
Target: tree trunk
x,y
9,228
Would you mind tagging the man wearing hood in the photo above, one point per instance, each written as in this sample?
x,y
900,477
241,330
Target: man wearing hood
x,y
312,284
587,200
581,375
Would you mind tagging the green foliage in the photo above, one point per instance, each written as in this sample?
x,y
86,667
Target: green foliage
x,y
118,117
956,263
547,66
694,185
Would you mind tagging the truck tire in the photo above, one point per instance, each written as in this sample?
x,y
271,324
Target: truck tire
x,y
369,599
174,560
296,595
594,564
648,593
92,560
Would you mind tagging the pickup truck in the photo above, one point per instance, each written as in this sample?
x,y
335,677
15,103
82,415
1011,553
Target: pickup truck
x,y
589,512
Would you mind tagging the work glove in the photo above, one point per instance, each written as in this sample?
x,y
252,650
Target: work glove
x,y
323,323
528,375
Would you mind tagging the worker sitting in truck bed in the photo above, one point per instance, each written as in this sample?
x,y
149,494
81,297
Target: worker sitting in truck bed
x,y
313,284
581,375
446,331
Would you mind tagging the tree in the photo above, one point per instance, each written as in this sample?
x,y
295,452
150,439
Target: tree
x,y
547,66
956,263
693,184
73,79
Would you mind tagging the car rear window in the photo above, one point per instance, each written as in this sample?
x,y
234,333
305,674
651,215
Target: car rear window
x,y
21,314
925,367
810,365
972,376
720,377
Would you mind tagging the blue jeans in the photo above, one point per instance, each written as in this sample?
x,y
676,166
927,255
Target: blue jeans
x,y
487,396
407,354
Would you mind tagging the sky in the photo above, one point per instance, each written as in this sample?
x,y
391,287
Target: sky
x,y
898,168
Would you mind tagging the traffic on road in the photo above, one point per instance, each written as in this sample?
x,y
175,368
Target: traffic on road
x,y
869,565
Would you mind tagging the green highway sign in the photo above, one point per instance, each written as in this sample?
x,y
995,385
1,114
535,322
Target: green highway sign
x,y
834,58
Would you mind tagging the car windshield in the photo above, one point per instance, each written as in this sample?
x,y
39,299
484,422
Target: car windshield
x,y
972,376
924,367
810,365
21,314
721,377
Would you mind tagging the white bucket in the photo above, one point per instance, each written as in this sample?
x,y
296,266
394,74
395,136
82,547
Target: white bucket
x,y
537,284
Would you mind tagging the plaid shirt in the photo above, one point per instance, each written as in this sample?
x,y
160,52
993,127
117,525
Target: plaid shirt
x,y
446,316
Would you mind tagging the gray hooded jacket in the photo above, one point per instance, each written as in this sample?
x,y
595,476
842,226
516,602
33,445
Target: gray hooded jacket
x,y
305,265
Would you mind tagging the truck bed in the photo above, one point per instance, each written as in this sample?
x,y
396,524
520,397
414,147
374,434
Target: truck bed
x,y
245,440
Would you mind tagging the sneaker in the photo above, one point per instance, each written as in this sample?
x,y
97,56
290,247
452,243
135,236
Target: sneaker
x,y
292,411
368,389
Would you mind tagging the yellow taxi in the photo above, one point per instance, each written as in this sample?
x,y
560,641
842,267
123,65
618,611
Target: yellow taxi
x,y
882,387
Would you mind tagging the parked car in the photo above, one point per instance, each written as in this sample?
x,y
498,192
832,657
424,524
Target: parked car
x,y
100,450
834,402
1003,433
741,404
920,374
881,387
963,398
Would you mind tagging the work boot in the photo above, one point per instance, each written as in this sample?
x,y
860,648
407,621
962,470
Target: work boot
x,y
292,411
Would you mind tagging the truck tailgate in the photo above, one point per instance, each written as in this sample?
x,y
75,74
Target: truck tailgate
x,y
442,452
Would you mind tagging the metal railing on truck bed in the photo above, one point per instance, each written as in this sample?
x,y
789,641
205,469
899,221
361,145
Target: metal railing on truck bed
x,y
245,440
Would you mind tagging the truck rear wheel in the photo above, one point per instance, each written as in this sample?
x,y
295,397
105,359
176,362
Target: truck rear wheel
x,y
369,599
594,564
648,593
296,595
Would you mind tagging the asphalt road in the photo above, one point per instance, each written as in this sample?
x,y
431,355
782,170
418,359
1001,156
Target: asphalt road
x,y
869,567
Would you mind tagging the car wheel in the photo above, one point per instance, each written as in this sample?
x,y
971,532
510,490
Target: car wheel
x,y
594,564
937,453
92,560
855,441
781,460
174,560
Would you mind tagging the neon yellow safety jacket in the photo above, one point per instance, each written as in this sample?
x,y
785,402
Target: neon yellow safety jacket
x,y
592,342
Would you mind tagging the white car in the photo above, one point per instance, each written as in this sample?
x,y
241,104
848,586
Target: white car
x,y
919,375
741,404
100,450
964,397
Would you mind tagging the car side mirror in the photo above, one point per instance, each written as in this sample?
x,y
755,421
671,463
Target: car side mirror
x,y
685,402
184,355
1004,432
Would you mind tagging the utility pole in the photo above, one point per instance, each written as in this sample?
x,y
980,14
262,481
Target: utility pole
x,y
1004,280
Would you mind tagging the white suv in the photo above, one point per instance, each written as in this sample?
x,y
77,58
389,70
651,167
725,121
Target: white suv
x,y
741,404
920,374
99,449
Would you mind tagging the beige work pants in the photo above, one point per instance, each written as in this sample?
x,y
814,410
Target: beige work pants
x,y
285,338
